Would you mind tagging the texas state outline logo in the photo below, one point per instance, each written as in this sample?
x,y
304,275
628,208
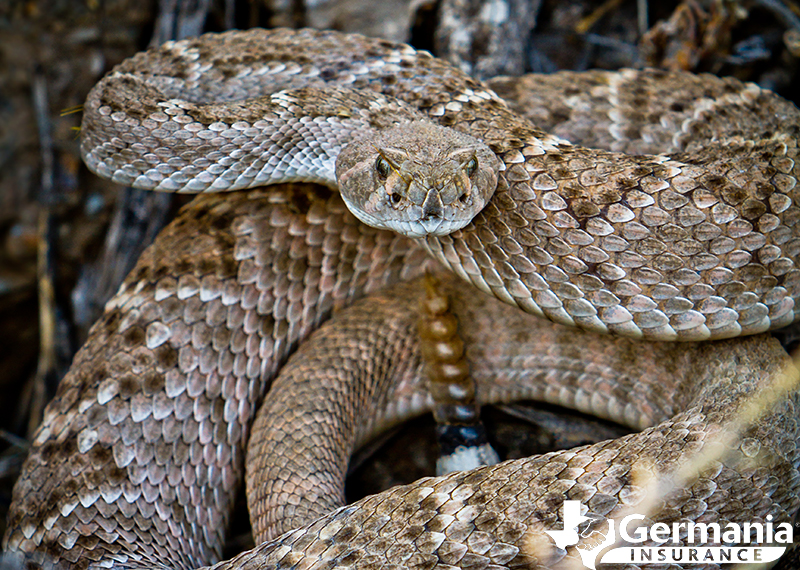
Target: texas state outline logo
x,y
679,542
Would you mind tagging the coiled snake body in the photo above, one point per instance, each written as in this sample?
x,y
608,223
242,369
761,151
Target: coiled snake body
x,y
139,456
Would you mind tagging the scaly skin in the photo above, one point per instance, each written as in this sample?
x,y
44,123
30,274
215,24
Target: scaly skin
x,y
148,428
699,243
140,454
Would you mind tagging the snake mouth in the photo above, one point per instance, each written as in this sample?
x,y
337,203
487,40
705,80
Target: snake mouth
x,y
431,225
422,228
432,212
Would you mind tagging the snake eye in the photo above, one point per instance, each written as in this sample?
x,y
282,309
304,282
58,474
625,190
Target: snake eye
x,y
471,166
382,166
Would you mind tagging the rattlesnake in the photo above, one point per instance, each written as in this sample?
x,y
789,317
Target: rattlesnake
x,y
695,245
692,245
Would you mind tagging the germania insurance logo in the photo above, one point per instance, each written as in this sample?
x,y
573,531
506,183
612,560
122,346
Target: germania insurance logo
x,y
678,543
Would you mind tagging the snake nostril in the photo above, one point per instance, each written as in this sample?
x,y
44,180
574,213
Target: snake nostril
x,y
396,198
463,198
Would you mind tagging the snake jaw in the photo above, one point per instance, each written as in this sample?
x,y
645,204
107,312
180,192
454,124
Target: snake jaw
x,y
417,179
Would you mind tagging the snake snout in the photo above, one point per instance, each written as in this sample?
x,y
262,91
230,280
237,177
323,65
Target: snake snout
x,y
432,207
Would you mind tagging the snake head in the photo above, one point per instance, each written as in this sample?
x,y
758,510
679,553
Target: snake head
x,y
417,178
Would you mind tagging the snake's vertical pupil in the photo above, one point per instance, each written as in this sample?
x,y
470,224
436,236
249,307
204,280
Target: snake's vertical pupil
x,y
472,166
382,166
